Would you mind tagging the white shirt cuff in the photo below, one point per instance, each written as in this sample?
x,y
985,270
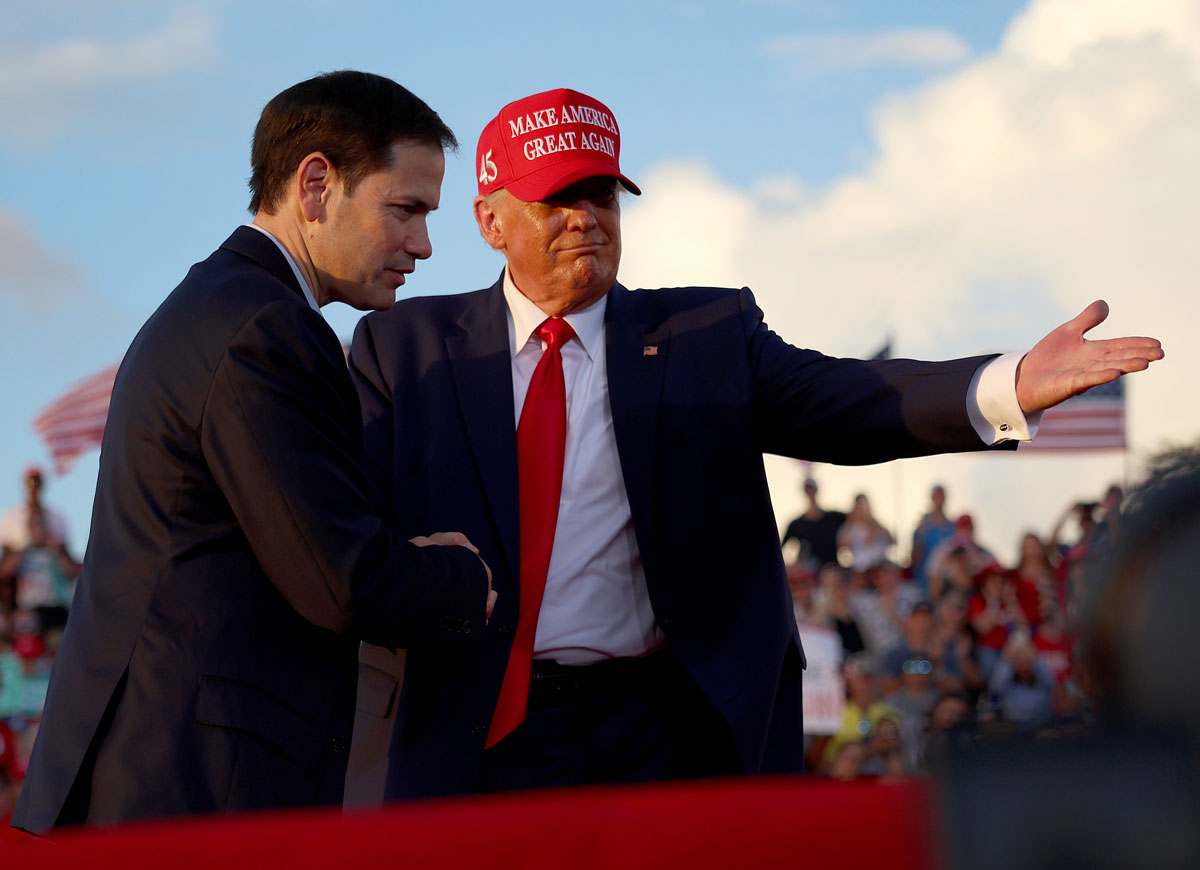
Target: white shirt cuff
x,y
992,404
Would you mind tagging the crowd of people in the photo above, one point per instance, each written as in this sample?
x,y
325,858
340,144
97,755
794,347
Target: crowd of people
x,y
949,644
37,575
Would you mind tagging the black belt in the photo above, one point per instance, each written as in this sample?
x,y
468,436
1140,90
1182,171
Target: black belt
x,y
550,681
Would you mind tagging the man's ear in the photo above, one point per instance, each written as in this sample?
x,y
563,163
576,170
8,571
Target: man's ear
x,y
315,180
490,226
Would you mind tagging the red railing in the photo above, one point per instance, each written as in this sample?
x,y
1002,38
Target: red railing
x,y
722,823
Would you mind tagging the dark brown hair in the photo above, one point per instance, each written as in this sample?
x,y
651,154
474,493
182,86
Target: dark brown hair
x,y
353,118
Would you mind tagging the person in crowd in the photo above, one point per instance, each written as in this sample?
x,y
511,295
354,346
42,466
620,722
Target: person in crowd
x,y
14,524
1109,524
920,643
1036,573
234,561
933,528
661,405
882,605
954,642
1090,800
800,582
1055,645
833,607
963,545
914,696
846,764
994,614
43,574
1073,556
953,575
884,752
950,724
863,537
863,709
815,530
1136,625
1021,686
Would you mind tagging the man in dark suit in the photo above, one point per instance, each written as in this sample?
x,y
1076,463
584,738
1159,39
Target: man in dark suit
x,y
659,622
234,562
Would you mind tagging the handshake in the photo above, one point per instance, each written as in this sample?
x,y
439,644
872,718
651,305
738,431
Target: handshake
x,y
458,539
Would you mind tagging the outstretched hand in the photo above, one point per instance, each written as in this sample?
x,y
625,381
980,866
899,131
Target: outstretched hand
x,y
1064,363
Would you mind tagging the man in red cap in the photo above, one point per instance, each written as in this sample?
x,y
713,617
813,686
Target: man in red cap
x,y
603,448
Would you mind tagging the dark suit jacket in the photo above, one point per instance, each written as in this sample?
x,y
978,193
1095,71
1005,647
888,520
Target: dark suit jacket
x,y
692,419
210,658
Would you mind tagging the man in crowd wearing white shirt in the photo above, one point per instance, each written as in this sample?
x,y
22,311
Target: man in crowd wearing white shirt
x,y
603,448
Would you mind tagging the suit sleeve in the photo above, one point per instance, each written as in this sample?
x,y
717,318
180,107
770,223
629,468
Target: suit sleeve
x,y
855,412
280,437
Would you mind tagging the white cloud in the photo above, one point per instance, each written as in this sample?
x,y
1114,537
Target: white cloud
x,y
30,274
1005,197
45,87
809,56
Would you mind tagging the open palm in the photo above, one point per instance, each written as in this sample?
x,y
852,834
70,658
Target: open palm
x,y
1064,363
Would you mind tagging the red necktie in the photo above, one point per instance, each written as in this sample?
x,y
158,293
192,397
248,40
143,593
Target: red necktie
x,y
541,443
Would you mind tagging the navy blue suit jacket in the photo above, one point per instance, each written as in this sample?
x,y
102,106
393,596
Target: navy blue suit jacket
x,y
692,418
234,561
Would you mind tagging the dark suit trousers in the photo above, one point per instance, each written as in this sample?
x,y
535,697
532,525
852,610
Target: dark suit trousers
x,y
621,720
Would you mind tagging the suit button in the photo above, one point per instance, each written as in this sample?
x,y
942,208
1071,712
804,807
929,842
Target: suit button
x,y
337,745
479,730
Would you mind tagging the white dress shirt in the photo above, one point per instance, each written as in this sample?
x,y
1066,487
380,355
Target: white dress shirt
x,y
596,605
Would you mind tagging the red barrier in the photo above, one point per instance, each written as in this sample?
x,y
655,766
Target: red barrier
x,y
722,823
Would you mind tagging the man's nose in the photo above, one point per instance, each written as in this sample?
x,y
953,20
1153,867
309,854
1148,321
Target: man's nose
x,y
418,243
581,215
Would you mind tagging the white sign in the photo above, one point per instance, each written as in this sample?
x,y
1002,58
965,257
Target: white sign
x,y
824,689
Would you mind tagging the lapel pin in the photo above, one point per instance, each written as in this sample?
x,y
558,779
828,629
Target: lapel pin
x,y
650,350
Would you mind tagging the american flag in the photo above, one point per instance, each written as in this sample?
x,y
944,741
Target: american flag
x,y
1094,420
73,424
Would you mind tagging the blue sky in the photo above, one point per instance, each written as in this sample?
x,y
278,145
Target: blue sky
x,y
962,175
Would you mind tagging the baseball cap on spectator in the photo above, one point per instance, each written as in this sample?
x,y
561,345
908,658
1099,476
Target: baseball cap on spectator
x,y
988,569
538,145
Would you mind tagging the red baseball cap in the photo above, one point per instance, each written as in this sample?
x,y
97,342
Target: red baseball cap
x,y
538,145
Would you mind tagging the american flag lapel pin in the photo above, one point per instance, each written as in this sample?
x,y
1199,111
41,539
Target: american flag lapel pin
x,y
650,350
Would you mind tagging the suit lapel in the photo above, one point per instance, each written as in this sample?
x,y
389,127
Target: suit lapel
x,y
637,352
251,243
482,365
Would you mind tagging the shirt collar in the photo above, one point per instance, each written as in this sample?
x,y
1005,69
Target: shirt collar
x,y
524,317
308,294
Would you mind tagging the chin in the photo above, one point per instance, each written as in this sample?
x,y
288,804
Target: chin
x,y
384,301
